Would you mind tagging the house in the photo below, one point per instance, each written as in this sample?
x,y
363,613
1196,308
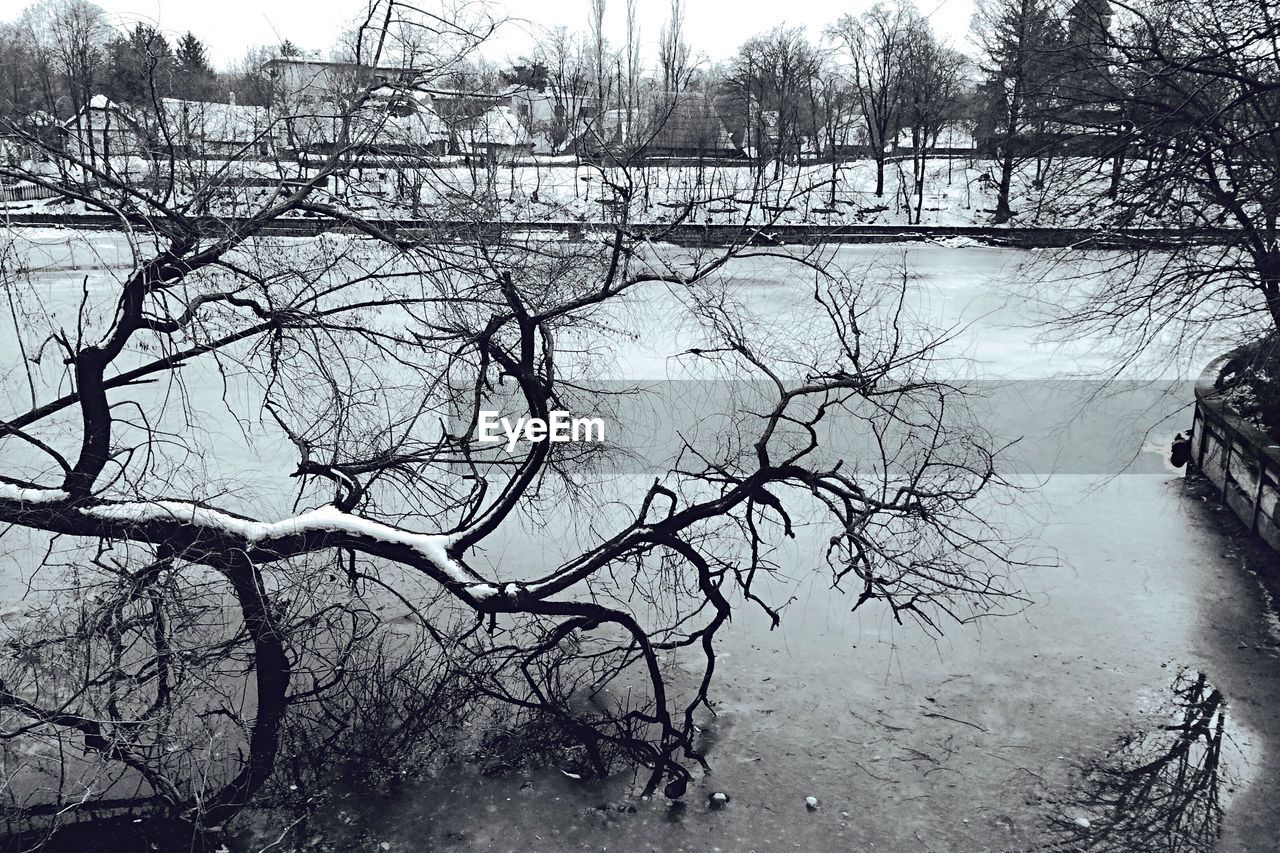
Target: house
x,y
102,129
311,83
845,137
399,121
756,132
562,117
312,97
215,129
686,127
952,138
536,108
679,128
497,135
105,129
612,129
555,119
28,139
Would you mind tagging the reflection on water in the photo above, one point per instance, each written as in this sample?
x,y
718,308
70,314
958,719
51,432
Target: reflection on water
x,y
1157,790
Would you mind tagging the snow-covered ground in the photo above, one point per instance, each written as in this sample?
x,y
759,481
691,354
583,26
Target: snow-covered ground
x,y
958,191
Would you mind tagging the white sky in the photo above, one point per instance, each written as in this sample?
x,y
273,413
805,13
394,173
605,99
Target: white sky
x,y
714,27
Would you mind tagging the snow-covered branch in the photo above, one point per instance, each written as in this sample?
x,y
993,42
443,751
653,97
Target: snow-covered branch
x,y
211,531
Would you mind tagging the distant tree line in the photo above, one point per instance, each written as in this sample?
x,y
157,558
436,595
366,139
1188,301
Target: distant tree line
x,y
57,54
1148,91
872,83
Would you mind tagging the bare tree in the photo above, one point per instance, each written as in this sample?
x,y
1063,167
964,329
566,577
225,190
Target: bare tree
x,y
1191,93
833,105
874,48
933,76
673,51
632,64
599,58
569,83
771,73
206,626
68,37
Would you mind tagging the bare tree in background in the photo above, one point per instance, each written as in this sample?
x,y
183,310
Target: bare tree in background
x,y
1190,92
874,48
771,73
67,39
673,51
632,70
209,615
933,79
569,83
834,106
599,59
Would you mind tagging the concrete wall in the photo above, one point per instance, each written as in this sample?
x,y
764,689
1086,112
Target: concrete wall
x,y
1238,458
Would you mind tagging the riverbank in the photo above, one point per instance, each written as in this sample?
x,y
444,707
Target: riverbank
x,y
685,234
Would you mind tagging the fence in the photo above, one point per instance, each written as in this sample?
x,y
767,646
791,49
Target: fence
x,y
25,192
1237,457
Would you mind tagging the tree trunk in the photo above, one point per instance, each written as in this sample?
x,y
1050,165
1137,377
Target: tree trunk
x,y
271,666
1271,289
917,169
880,175
1268,268
1117,173
1003,212
920,188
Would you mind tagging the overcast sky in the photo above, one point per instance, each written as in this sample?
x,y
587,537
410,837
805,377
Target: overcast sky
x,y
714,27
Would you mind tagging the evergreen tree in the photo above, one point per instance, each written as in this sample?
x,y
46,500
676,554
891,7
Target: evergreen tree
x,y
1021,44
1087,78
194,77
136,63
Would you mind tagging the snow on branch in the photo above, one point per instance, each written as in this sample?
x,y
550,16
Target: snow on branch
x,y
328,519
19,494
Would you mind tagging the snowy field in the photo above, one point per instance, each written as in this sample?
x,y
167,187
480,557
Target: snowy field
x,y
958,191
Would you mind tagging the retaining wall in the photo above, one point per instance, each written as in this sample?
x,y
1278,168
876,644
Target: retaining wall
x,y
689,234
1242,461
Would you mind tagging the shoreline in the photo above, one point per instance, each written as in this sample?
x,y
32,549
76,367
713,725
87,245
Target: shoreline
x,y
684,234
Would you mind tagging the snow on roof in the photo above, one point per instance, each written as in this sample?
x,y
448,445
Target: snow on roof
x,y
215,122
520,89
952,135
847,132
688,124
204,121
497,126
404,121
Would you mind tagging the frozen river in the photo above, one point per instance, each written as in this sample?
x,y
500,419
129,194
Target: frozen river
x,y
1004,735
1008,734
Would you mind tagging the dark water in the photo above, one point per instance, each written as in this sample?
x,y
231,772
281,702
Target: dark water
x,y
1087,708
